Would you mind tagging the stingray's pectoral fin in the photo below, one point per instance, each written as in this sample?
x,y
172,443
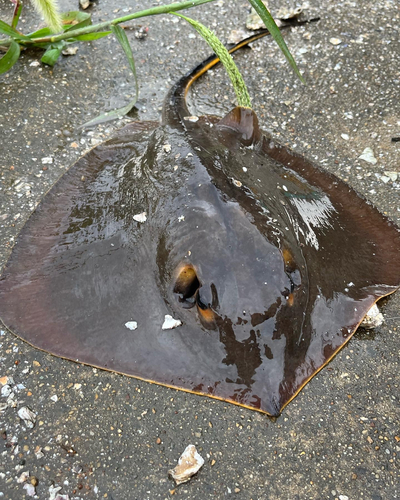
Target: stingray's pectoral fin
x,y
240,126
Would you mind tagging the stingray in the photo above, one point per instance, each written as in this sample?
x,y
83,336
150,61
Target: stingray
x,y
202,255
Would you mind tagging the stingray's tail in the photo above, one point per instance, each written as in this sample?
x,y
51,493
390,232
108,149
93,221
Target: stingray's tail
x,y
175,102
183,85
175,105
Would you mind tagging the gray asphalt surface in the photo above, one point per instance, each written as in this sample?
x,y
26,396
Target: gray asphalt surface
x,y
109,436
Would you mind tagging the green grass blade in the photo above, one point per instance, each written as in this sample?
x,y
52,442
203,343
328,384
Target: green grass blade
x,y
92,36
17,14
6,29
75,19
10,57
110,115
120,112
271,26
123,40
218,47
40,33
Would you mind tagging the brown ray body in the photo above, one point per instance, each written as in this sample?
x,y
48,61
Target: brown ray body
x,y
269,262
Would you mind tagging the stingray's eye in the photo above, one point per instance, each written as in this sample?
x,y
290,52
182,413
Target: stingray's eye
x,y
186,284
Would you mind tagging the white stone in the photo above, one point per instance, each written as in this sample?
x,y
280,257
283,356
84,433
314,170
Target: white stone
x,y
140,217
368,156
170,323
373,318
191,118
27,416
188,464
131,325
392,175
30,489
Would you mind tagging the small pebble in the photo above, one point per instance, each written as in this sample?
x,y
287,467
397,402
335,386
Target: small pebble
x,y
70,51
30,489
131,325
335,41
170,323
368,156
140,217
392,175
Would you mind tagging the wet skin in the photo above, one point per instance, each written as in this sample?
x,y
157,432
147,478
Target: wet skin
x,y
269,262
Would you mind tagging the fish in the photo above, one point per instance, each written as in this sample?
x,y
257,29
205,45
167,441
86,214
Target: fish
x,y
200,254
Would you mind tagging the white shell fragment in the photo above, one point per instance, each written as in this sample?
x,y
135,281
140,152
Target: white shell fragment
x,y
140,217
53,490
131,325
285,13
368,156
23,477
30,489
191,118
335,41
5,391
27,416
236,36
188,464
170,323
70,51
167,148
253,21
392,175
373,318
